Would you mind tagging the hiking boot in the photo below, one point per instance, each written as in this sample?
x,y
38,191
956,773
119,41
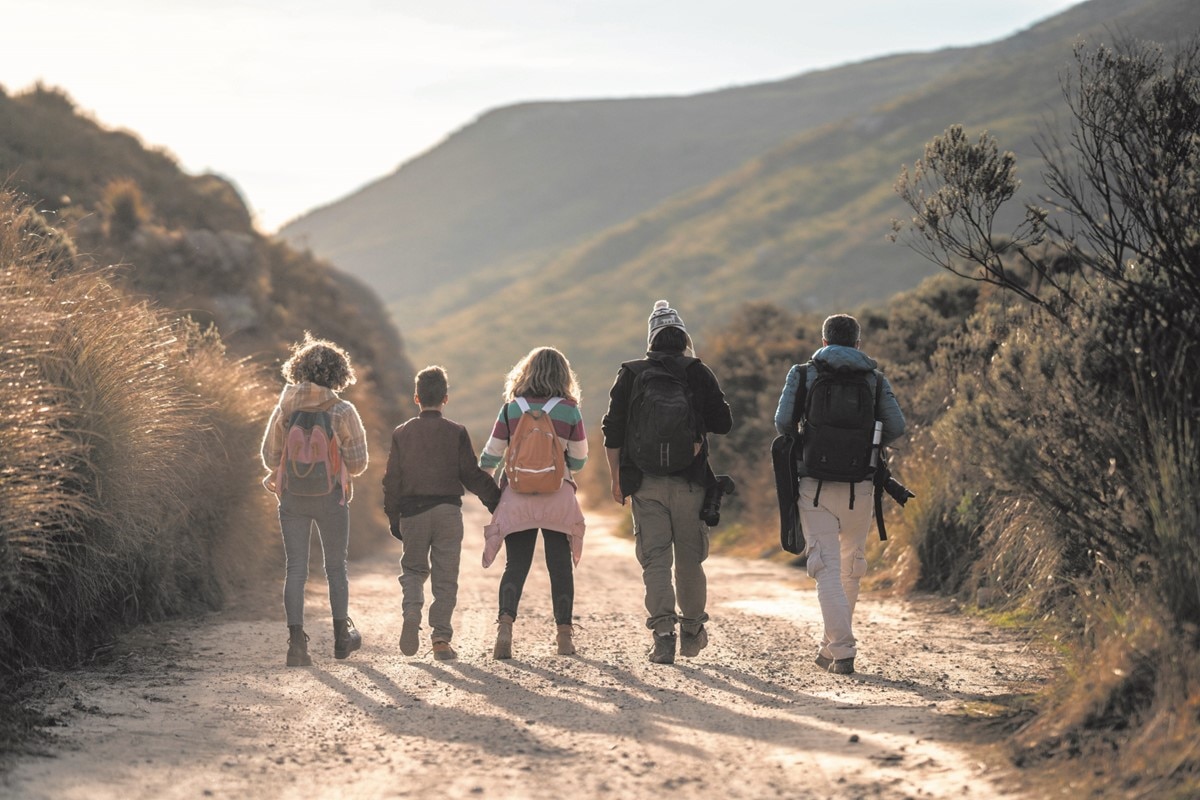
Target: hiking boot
x,y
346,638
842,666
410,637
663,651
690,644
566,647
297,655
442,651
503,648
823,662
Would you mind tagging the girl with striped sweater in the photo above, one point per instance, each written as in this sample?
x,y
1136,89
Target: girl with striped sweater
x,y
542,375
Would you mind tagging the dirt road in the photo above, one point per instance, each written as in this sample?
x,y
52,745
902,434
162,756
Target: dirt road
x,y
205,708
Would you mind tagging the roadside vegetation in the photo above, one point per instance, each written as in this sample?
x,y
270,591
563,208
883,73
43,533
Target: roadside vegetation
x,y
1051,385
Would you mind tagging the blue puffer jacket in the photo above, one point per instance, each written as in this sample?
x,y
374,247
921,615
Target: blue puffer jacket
x,y
840,356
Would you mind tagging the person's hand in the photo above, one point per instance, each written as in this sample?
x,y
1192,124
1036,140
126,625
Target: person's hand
x,y
394,527
617,497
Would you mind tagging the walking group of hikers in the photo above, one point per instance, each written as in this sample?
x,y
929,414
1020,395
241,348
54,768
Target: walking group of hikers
x,y
661,410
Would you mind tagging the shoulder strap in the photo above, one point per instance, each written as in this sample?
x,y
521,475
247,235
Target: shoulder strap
x,y
522,404
801,400
550,404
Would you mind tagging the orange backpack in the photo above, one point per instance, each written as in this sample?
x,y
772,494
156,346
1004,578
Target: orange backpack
x,y
535,462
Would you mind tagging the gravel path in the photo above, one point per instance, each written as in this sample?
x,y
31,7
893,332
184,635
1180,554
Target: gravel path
x,y
204,707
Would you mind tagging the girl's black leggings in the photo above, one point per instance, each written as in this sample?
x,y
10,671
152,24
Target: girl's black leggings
x,y
519,548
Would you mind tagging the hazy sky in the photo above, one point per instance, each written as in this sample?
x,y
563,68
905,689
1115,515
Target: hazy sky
x,y
301,102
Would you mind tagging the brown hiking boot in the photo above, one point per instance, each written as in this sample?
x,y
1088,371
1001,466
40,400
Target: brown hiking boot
x,y
663,651
297,655
566,647
346,638
442,651
690,644
503,648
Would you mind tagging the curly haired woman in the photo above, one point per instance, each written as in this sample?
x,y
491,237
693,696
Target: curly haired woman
x,y
316,371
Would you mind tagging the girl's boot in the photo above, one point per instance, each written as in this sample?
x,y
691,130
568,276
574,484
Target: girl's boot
x,y
503,648
566,647
297,655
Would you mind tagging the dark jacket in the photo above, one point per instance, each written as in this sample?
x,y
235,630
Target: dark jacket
x,y
430,462
708,402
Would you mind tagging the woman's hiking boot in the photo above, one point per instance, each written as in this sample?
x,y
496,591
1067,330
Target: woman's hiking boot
x,y
346,638
442,651
297,655
503,648
690,644
663,651
566,647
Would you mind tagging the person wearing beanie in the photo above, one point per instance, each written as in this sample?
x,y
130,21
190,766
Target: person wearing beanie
x,y
661,409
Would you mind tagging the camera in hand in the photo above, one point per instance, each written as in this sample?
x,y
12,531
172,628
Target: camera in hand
x,y
710,512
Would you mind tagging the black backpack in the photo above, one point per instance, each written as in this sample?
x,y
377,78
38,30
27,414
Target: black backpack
x,y
662,435
839,424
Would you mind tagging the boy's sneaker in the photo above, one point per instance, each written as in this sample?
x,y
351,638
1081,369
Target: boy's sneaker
x,y
842,666
823,662
663,651
690,644
442,651
410,637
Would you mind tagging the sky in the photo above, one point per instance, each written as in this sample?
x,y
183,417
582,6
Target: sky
x,y
300,103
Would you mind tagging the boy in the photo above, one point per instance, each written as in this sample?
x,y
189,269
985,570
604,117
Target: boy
x,y
430,463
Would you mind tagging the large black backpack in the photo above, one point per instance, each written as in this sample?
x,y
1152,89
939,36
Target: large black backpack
x,y
839,424
662,435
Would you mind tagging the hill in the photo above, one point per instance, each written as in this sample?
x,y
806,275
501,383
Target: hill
x,y
531,178
496,217
186,242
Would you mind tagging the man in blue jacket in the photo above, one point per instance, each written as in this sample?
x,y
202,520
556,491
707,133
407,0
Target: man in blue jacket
x,y
835,526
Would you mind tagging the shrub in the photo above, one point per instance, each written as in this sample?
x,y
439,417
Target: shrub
x,y
128,448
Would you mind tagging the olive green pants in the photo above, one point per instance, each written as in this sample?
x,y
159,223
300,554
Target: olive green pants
x,y
669,532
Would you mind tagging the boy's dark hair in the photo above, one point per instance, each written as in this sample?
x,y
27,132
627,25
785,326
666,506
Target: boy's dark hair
x,y
841,329
669,340
321,362
432,386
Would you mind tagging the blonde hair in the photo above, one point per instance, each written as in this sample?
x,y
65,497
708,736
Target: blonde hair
x,y
544,372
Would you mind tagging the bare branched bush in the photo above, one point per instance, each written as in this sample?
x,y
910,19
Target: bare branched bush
x,y
1084,415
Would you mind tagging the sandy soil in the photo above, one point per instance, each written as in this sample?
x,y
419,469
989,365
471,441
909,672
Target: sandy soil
x,y
205,707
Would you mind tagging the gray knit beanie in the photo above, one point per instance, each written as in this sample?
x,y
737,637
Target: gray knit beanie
x,y
663,316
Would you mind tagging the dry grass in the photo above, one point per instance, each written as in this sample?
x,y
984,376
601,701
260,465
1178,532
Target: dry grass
x,y
128,444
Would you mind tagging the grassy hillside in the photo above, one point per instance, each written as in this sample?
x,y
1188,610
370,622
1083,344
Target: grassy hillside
x,y
529,178
545,209
186,242
804,225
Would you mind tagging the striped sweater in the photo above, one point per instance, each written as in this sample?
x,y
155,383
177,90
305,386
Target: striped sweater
x,y
568,424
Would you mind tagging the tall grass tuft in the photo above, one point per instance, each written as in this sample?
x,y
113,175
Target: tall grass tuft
x,y
128,446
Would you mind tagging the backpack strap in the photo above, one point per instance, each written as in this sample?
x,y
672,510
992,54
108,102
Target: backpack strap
x,y
801,399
